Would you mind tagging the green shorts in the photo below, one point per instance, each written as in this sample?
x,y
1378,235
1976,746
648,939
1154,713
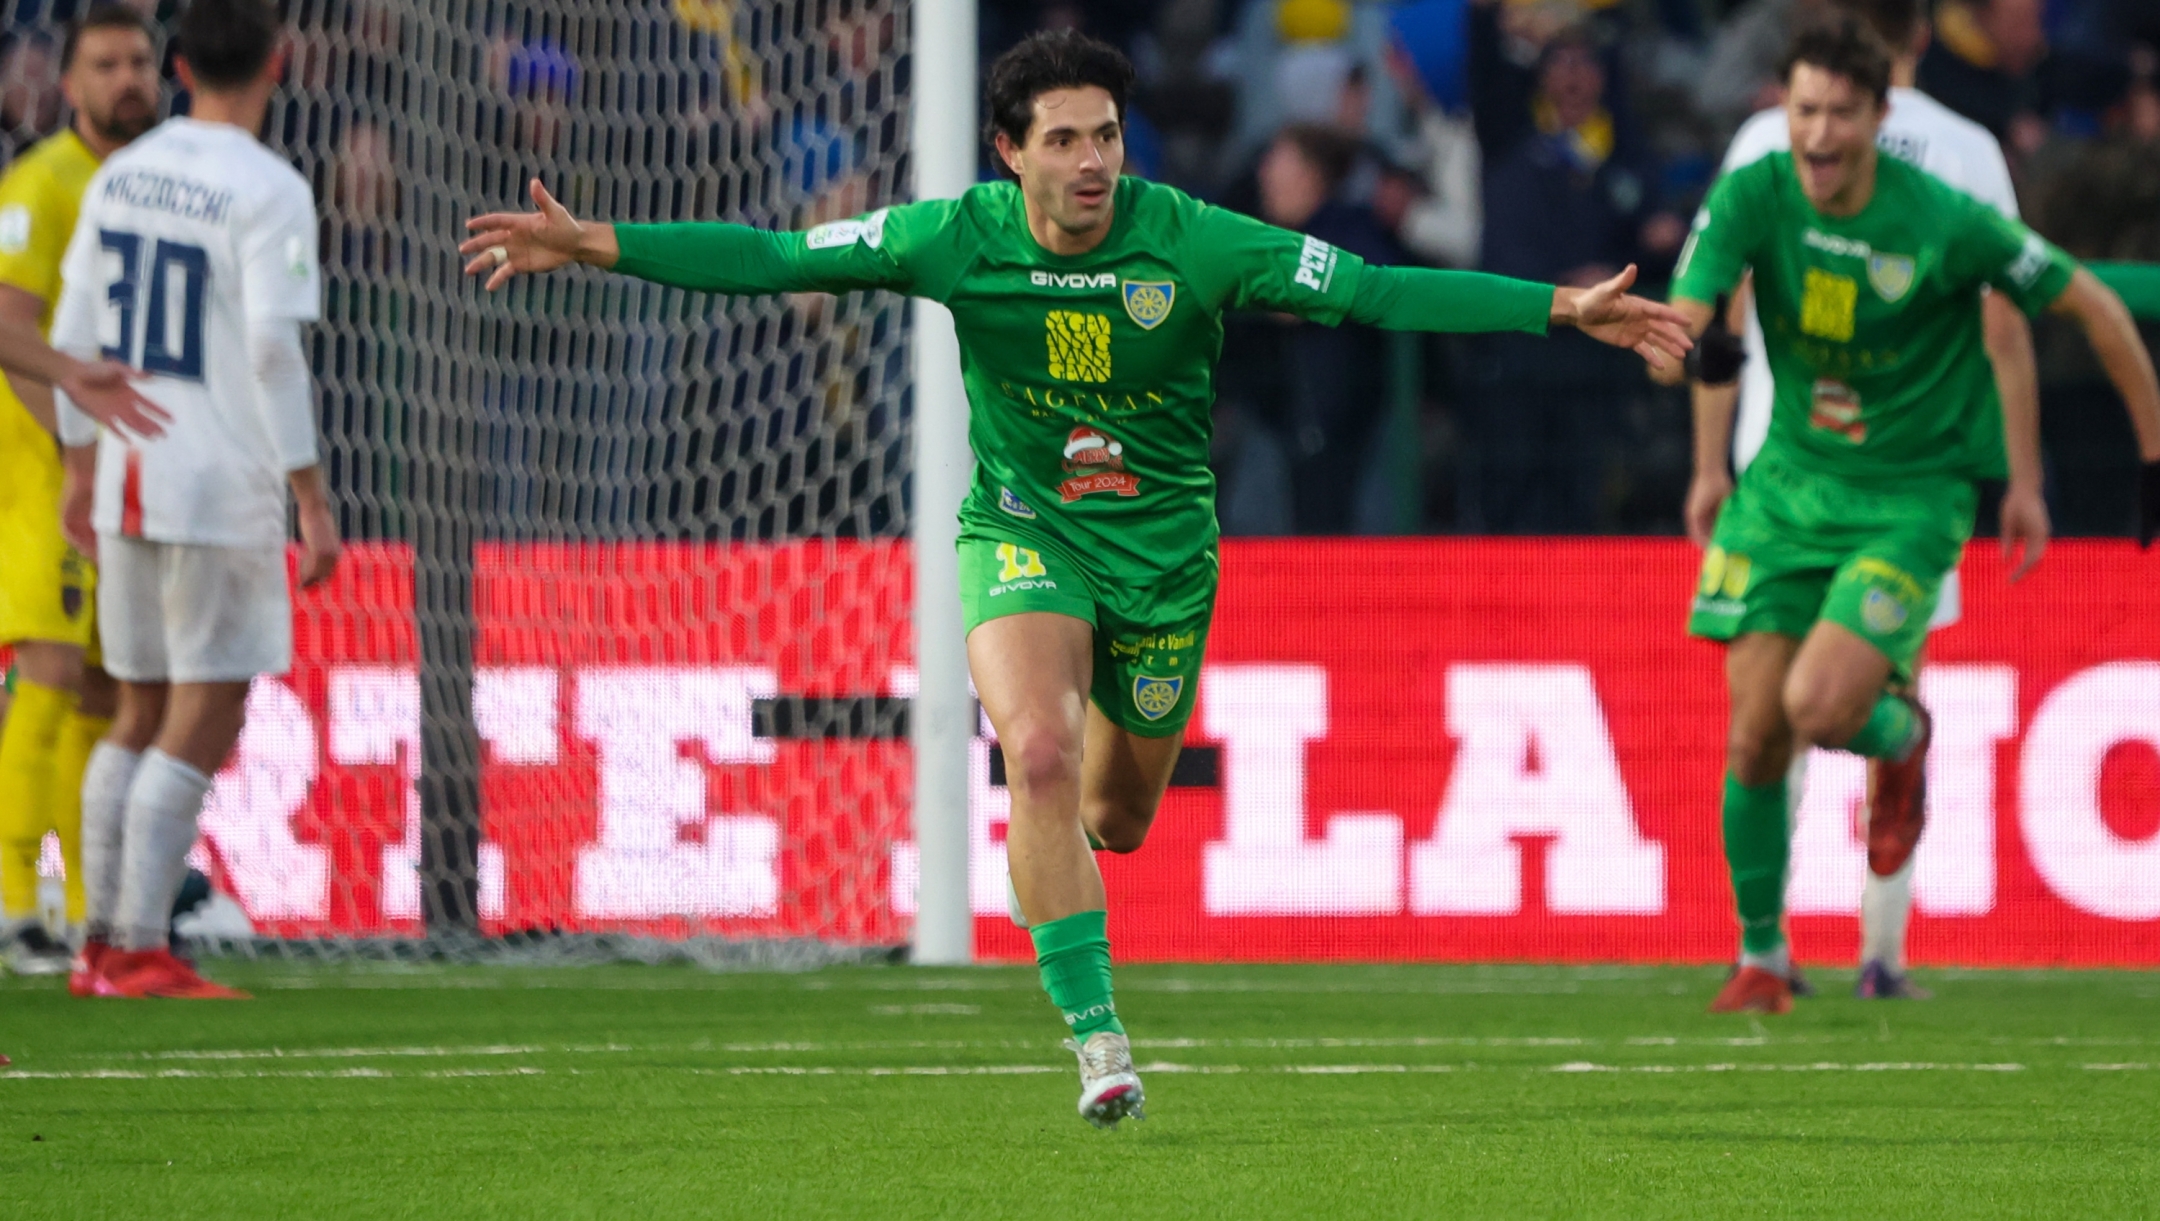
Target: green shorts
x,y
1148,640
1793,548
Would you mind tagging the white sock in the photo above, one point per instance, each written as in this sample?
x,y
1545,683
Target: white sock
x,y
1777,961
162,807
104,804
1885,907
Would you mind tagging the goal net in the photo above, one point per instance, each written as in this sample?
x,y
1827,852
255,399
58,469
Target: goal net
x,y
620,647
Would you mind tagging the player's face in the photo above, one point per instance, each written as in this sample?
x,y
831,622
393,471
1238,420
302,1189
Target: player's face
x,y
1833,124
1074,153
113,83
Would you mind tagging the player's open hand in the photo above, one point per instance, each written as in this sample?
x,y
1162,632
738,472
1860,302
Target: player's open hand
x,y
506,244
105,391
1706,494
2025,530
320,547
1610,314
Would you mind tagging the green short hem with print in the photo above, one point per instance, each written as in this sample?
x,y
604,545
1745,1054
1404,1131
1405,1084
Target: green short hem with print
x,y
1793,548
1148,641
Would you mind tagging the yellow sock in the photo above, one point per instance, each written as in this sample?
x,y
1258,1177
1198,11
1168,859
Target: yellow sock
x,y
70,756
27,744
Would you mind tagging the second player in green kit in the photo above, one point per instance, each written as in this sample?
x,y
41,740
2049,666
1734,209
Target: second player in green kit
x,y
1089,312
1825,563
1886,408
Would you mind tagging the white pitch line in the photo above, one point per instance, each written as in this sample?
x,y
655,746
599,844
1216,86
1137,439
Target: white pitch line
x,y
1160,1067
301,1053
1584,1066
191,1074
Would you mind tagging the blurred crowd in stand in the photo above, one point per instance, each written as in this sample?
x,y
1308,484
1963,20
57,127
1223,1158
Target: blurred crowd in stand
x,y
1557,140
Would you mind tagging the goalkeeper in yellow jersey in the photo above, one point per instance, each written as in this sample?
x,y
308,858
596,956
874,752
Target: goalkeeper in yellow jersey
x,y
62,702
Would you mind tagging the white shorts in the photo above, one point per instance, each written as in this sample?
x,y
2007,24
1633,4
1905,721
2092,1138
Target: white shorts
x,y
186,613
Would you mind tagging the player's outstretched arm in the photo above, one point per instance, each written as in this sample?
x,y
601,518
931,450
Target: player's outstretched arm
x,y
2113,333
1660,334
707,256
1472,302
507,244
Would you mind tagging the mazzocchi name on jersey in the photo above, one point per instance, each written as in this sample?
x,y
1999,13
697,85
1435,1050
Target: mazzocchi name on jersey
x,y
180,197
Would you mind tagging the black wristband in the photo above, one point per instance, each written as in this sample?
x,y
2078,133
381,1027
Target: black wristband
x,y
1718,354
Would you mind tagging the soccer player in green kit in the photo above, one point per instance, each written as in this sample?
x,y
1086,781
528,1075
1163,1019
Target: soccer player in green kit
x,y
1824,564
1089,310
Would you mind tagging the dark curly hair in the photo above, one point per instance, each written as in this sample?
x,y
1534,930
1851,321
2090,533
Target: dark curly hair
x,y
227,42
1053,59
1842,46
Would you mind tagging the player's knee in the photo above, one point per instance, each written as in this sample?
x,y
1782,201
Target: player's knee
x,y
1817,713
1758,755
1037,761
1121,831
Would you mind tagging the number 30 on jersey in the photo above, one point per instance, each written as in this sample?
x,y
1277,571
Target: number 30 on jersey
x,y
167,289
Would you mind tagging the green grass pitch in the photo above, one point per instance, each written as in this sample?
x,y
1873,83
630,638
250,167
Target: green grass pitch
x,y
1341,1091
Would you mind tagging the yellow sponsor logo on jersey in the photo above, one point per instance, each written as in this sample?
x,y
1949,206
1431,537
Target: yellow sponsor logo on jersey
x,y
1826,305
1079,345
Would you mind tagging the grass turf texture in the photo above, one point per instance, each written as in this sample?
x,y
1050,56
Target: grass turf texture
x,y
371,1091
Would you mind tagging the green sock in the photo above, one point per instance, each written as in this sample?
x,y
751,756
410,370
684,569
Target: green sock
x,y
1074,957
1758,845
1889,732
1094,845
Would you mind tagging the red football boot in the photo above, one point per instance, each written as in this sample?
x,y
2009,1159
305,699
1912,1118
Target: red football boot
x,y
86,975
1754,990
144,973
1897,802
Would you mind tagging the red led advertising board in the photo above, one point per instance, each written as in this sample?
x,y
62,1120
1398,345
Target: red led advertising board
x,y
1424,749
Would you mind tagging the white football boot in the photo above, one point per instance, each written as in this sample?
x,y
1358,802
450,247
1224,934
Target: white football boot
x,y
1109,1088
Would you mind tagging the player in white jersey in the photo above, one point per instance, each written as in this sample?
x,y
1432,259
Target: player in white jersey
x,y
1924,132
194,261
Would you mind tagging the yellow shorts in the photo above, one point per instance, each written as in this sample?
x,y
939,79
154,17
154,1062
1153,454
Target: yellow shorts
x,y
48,590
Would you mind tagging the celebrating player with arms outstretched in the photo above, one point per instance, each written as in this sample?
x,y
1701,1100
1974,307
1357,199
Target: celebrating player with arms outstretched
x,y
1827,560
1089,311
195,262
63,699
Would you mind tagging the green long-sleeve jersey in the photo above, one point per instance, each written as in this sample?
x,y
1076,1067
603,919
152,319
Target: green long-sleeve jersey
x,y
1090,378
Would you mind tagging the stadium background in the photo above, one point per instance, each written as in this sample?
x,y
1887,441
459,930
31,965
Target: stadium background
x,y
622,645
